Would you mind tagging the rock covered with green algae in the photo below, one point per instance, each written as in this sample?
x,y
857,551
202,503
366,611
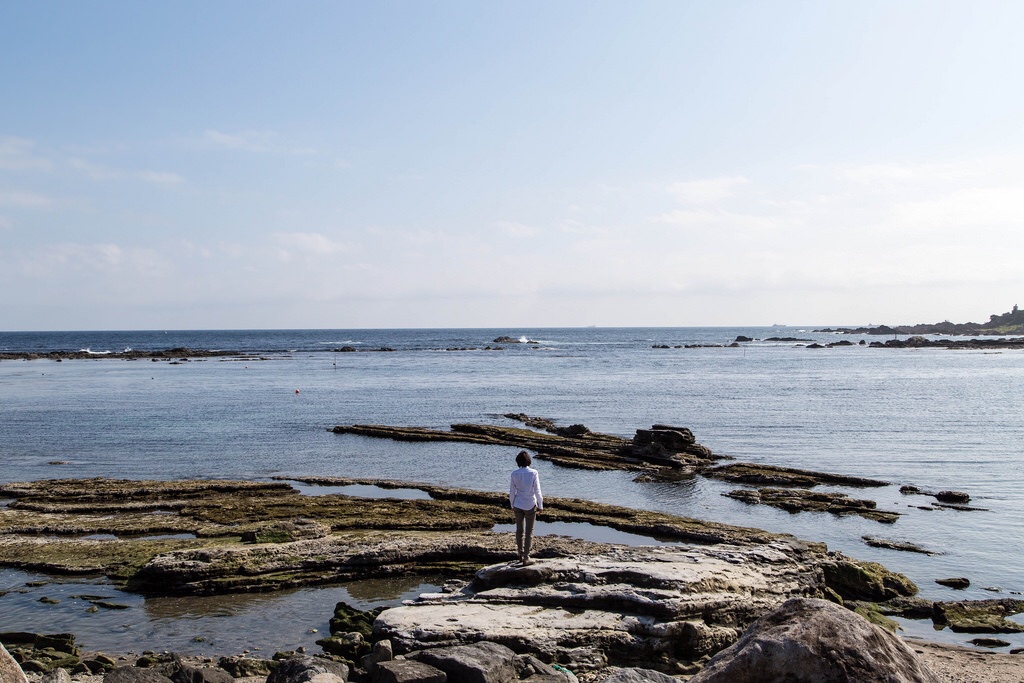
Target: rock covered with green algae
x,y
867,581
38,653
236,534
979,616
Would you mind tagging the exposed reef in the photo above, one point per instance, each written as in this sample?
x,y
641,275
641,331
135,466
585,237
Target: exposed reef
x,y
663,450
176,354
770,475
661,453
221,536
584,605
794,500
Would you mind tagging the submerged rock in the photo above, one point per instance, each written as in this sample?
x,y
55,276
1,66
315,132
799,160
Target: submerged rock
x,y
904,546
771,475
801,500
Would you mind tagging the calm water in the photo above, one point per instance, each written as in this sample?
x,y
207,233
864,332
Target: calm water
x,y
934,418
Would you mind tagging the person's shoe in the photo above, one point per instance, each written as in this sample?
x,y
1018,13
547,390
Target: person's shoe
x,y
527,561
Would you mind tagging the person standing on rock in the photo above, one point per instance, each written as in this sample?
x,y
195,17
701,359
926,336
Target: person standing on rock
x,y
526,499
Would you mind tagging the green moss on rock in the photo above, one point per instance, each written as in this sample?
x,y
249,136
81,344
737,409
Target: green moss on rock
x,y
868,581
979,616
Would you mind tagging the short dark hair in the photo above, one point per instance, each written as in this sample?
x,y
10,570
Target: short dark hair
x,y
523,459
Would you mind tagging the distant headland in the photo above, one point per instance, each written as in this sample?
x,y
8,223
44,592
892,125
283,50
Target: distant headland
x,y
998,324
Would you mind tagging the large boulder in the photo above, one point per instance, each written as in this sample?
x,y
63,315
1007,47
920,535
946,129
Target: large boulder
x,y
132,674
638,675
477,663
815,641
308,670
181,672
10,672
406,671
660,607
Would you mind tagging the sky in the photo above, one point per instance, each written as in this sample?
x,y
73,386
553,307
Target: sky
x,y
236,165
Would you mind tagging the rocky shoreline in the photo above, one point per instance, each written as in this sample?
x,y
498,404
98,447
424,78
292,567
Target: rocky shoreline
x,y
587,609
1009,323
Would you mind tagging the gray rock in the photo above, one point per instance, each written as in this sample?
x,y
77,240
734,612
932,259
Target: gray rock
x,y
529,668
131,674
627,606
638,675
245,667
585,658
808,640
477,663
56,676
10,672
406,671
305,669
952,497
989,642
382,651
183,673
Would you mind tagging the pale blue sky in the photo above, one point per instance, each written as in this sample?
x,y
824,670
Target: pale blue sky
x,y
464,164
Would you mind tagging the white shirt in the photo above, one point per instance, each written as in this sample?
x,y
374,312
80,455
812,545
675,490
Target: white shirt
x,y
524,490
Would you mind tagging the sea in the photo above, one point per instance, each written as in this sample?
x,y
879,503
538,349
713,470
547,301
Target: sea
x,y
934,418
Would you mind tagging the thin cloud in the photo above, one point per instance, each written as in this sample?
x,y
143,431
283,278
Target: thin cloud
x,y
716,219
161,178
92,170
963,209
101,173
518,230
706,191
250,142
905,173
262,142
20,199
310,243
62,259
17,154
